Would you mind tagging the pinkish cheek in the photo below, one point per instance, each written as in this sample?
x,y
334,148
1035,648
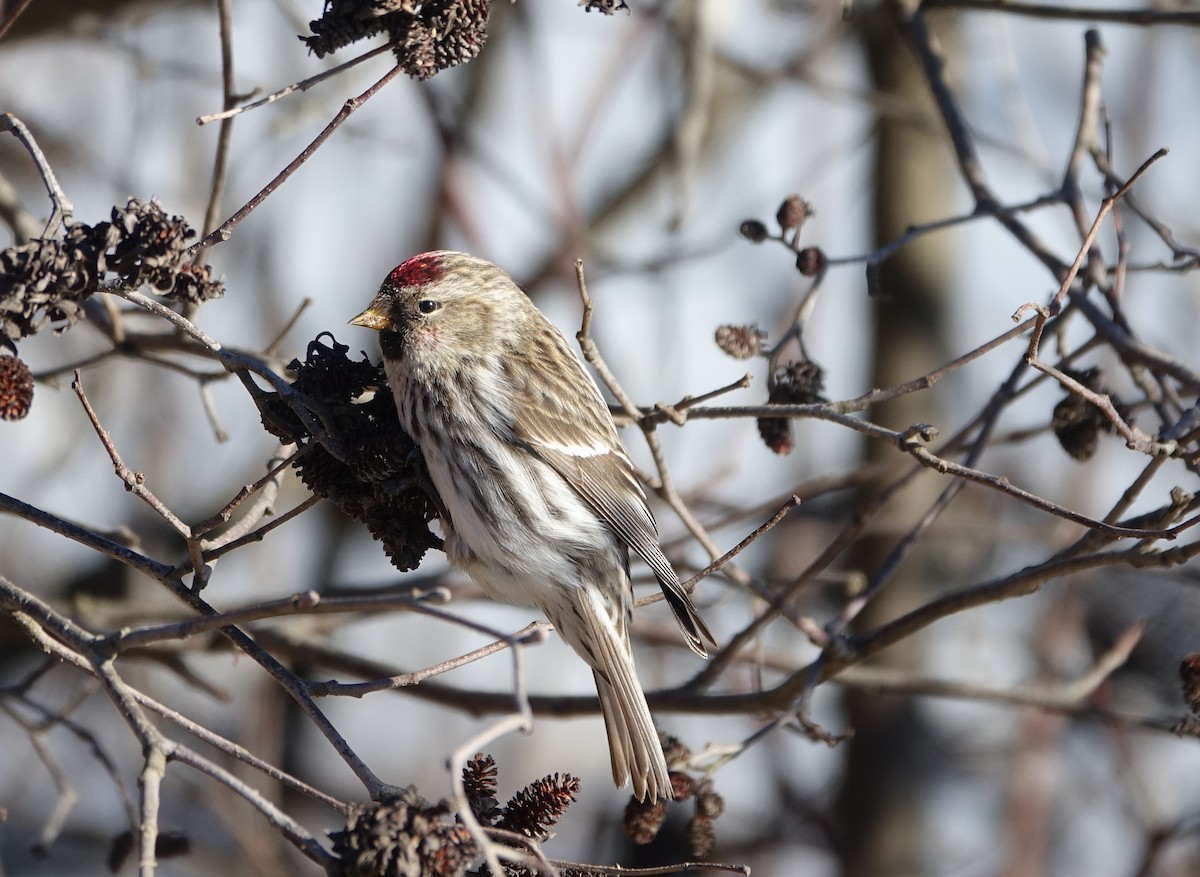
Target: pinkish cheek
x,y
426,339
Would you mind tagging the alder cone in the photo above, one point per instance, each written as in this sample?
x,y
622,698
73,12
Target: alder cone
x,y
16,388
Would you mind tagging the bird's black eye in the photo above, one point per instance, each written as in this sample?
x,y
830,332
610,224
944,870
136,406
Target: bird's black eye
x,y
428,305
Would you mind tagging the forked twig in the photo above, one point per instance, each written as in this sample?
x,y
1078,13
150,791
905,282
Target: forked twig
x,y
63,211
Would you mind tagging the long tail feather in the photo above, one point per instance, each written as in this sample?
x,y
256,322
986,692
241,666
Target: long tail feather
x,y
633,744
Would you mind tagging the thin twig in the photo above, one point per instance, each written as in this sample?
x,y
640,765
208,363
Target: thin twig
x,y
1146,17
531,634
13,14
733,552
1134,437
1105,206
86,537
916,31
285,455
910,441
272,349
225,133
63,211
302,85
1067,695
666,488
220,547
679,867
267,489
829,410
135,482
521,720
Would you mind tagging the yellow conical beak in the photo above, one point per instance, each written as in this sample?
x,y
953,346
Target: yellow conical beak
x,y
372,318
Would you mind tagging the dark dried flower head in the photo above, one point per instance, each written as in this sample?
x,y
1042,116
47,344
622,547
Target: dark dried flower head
x,y
430,36
606,7
445,33
740,342
1189,675
348,21
1077,423
535,810
378,481
46,280
793,212
152,251
328,374
701,837
16,388
403,838
753,230
800,382
644,819
810,261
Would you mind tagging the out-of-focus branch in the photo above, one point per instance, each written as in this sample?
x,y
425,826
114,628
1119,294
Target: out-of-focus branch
x,y
915,27
1145,17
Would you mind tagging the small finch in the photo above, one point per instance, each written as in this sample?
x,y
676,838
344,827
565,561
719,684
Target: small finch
x,y
541,504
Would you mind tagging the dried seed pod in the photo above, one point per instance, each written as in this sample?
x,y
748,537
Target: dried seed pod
x,y
777,434
1077,423
643,819
753,230
429,36
535,809
682,785
810,261
675,751
45,281
793,212
16,388
740,342
479,784
701,836
709,805
406,837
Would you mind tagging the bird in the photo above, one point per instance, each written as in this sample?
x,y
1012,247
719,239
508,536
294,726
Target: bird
x,y
539,502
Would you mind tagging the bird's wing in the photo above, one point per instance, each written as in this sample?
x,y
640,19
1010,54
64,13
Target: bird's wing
x,y
580,443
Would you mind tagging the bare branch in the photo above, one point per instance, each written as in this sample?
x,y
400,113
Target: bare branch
x,y
63,211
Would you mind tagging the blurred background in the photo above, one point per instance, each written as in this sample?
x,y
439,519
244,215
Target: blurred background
x,y
639,143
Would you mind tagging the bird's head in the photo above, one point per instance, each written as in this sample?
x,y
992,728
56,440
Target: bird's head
x,y
444,304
